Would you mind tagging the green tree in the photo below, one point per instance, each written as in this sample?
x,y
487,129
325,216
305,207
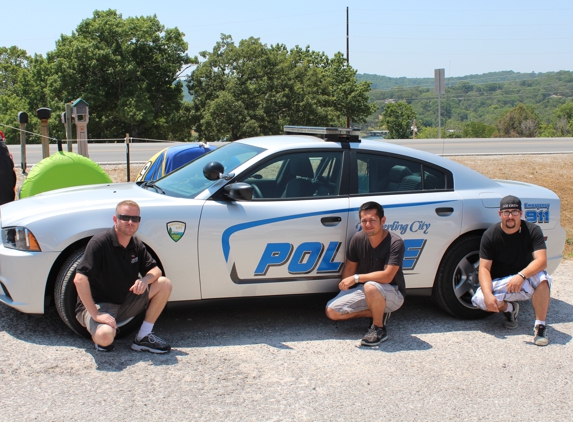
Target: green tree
x,y
253,90
478,130
564,114
397,118
520,122
126,69
13,65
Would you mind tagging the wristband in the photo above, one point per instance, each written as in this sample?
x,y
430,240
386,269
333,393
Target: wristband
x,y
521,275
357,278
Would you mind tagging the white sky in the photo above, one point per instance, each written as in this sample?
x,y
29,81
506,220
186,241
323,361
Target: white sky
x,y
401,38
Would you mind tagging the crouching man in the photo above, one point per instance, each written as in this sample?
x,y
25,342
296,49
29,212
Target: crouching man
x,y
110,288
372,283
513,258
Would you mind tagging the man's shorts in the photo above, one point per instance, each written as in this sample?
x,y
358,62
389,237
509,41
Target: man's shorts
x,y
354,300
133,306
499,288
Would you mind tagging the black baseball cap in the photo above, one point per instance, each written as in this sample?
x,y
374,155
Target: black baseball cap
x,y
510,202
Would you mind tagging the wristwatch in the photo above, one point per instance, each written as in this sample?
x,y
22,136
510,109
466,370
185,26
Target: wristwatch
x,y
357,278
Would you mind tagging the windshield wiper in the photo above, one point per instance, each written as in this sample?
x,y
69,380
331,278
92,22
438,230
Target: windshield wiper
x,y
151,184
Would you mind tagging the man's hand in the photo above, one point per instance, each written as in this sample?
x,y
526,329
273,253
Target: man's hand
x,y
139,287
105,318
346,283
515,284
490,303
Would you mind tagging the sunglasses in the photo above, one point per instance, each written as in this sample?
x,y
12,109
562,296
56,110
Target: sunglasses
x,y
125,217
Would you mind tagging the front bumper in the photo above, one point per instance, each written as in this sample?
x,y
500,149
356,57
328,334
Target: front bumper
x,y
24,276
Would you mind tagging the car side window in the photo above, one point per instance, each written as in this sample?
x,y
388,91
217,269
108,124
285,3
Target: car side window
x,y
297,175
386,174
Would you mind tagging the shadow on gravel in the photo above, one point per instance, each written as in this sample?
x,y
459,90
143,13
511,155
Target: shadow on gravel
x,y
123,357
275,322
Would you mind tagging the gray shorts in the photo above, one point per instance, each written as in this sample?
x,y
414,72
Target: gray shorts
x,y
354,300
133,306
499,289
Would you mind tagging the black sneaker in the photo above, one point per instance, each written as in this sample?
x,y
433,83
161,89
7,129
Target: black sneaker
x,y
374,336
511,317
104,348
151,343
540,338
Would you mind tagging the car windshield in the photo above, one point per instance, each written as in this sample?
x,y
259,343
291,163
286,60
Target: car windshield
x,y
189,181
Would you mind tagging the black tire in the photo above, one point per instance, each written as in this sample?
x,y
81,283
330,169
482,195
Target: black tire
x,y
457,279
65,297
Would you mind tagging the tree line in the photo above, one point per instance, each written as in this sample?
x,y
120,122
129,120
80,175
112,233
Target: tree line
x,y
132,71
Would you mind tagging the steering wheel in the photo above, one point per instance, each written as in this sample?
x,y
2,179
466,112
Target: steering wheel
x,y
256,192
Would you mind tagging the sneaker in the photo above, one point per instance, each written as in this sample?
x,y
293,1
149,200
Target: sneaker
x,y
541,338
151,343
511,317
374,336
385,319
104,348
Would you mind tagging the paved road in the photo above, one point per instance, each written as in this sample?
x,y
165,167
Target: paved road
x,y
283,360
141,152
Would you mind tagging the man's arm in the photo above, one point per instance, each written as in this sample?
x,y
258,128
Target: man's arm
x,y
85,295
384,277
140,285
485,282
348,272
538,264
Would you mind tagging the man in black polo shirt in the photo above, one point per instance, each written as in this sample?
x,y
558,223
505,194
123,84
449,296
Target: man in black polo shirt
x,y
111,289
513,258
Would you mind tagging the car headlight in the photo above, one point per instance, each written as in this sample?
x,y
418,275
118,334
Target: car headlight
x,y
20,238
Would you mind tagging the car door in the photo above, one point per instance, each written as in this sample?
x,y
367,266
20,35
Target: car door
x,y
419,204
289,239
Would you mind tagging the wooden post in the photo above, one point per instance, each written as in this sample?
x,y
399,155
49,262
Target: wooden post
x,y
127,155
44,115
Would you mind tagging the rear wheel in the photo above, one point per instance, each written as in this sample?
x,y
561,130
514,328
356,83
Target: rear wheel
x,y
457,279
65,297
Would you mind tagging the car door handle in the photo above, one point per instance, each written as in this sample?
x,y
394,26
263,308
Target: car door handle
x,y
330,221
444,212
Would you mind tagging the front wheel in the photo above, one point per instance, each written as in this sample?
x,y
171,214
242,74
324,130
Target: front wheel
x,y
457,279
66,296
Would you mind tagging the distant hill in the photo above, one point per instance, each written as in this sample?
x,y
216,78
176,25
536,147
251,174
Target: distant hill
x,y
473,98
386,82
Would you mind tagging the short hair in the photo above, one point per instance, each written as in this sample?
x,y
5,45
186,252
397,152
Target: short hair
x,y
129,203
371,205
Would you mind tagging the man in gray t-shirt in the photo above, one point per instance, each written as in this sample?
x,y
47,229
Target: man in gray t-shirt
x,y
372,283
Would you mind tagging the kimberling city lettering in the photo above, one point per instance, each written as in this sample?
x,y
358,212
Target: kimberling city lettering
x,y
535,206
414,227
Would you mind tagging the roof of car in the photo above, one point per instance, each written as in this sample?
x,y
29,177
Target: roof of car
x,y
463,175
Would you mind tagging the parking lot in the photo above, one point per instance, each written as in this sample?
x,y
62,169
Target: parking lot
x,y
282,359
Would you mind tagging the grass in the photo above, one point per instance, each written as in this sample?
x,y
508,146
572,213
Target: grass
x,y
554,172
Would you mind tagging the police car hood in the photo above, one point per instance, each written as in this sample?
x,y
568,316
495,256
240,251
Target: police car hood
x,y
77,202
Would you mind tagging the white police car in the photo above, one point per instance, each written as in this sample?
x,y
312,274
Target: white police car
x,y
273,216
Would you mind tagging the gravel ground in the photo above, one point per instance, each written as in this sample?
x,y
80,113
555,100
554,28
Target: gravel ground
x,y
282,359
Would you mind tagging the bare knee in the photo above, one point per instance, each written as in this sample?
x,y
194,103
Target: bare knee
x,y
332,314
104,335
165,284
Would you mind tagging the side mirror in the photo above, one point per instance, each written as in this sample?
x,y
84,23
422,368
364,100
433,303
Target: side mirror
x,y
213,170
239,191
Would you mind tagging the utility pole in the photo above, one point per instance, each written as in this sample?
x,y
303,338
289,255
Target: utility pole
x,y
347,55
440,89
